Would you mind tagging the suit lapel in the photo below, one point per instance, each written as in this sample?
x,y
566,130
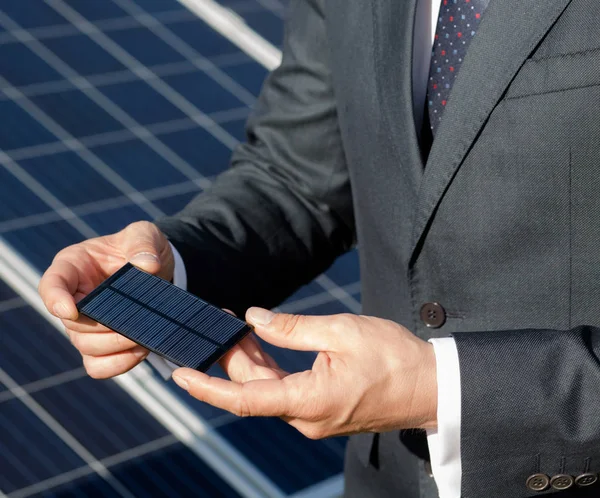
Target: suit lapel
x,y
393,23
509,31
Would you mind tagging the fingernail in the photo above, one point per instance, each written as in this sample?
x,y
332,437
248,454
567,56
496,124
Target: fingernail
x,y
61,310
181,382
260,316
144,257
139,351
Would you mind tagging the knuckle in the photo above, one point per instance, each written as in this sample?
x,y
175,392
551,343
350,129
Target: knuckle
x,y
313,432
344,323
242,407
121,342
290,323
142,227
78,341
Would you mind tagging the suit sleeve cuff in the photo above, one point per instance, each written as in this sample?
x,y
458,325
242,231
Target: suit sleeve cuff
x,y
444,442
164,367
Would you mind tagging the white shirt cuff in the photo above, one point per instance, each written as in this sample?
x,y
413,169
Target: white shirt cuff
x,y
165,367
444,442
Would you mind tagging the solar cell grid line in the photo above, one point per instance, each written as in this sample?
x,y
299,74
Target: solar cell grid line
x,y
85,154
109,106
107,25
45,383
64,435
131,62
46,196
191,54
46,485
122,76
123,420
163,318
113,137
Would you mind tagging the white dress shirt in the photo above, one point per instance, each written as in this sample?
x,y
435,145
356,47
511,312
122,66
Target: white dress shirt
x,y
444,442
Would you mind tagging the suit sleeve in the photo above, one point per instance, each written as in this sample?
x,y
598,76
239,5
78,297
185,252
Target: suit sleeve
x,y
283,211
530,405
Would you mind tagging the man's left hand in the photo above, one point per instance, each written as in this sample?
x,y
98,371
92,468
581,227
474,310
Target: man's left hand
x,y
370,375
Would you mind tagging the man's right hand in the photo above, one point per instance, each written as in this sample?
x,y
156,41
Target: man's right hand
x,y
78,269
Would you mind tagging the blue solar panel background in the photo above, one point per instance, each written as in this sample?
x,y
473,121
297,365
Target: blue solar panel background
x,y
91,143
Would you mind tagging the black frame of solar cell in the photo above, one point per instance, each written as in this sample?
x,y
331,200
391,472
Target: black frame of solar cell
x,y
210,360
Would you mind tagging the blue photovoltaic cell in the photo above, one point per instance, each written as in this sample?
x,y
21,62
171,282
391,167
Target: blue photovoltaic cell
x,y
6,292
200,149
176,472
20,66
83,55
39,244
96,11
121,423
113,220
45,454
145,46
249,74
301,461
171,472
81,183
163,318
76,113
24,130
176,203
32,349
208,94
236,129
126,157
154,6
17,199
133,97
204,39
32,13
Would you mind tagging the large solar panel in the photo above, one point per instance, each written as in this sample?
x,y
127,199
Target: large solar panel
x,y
64,433
163,318
123,110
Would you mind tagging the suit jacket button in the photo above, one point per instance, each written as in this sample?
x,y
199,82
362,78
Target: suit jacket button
x,y
433,315
562,482
538,482
586,480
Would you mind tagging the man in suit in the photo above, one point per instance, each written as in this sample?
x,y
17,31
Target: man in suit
x,y
478,223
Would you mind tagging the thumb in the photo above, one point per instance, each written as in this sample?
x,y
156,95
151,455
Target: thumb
x,y
142,244
299,332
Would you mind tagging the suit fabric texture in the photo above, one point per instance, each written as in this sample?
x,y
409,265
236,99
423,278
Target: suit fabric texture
x,y
499,222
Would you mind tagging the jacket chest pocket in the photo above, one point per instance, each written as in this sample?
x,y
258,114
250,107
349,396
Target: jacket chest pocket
x,y
556,74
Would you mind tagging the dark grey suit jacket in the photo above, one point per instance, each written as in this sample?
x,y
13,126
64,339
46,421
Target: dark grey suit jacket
x,y
501,224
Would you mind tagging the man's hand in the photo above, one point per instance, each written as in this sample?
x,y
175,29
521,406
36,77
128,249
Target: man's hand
x,y
370,375
78,269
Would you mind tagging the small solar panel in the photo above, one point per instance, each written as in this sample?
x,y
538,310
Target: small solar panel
x,y
163,318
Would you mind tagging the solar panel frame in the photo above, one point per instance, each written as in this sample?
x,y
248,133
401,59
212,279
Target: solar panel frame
x,y
114,304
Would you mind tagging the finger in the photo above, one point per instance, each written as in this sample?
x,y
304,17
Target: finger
x,y
100,344
142,244
299,332
104,367
240,367
85,325
257,398
57,288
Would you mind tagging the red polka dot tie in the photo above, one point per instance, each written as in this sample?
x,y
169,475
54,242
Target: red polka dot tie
x,y
457,23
